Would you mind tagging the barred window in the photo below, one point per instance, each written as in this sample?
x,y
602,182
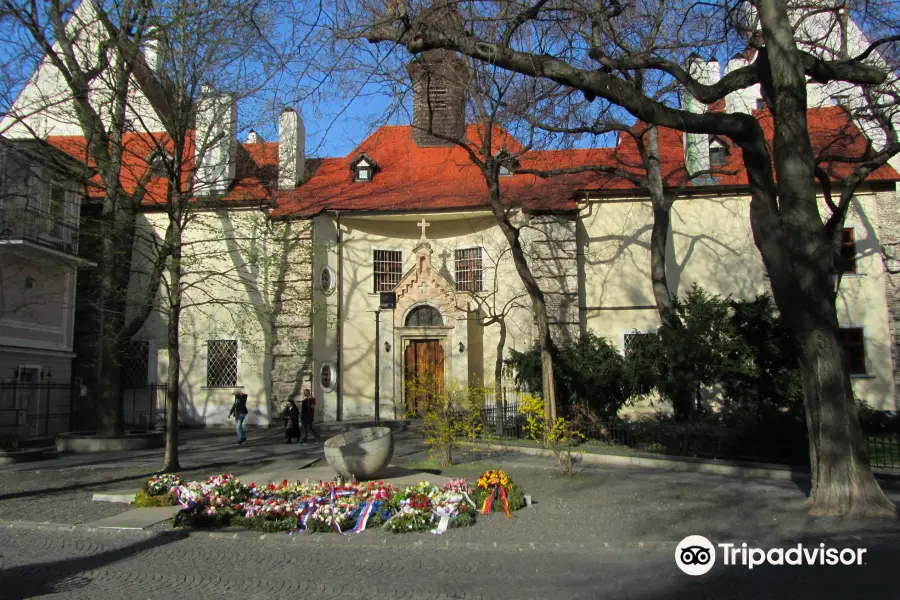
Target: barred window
x,y
327,377
469,270
388,269
854,350
634,339
221,363
847,258
136,364
424,316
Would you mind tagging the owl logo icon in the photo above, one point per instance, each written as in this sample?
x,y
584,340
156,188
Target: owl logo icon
x,y
695,555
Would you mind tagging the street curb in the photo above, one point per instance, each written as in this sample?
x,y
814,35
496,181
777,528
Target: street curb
x,y
738,469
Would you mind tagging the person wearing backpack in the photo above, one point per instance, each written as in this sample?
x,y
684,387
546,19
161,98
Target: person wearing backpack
x,y
239,412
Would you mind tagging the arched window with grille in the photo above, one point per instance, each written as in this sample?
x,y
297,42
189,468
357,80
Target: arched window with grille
x,y
424,316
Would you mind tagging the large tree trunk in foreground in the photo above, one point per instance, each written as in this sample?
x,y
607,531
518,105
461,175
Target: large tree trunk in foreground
x,y
117,231
798,255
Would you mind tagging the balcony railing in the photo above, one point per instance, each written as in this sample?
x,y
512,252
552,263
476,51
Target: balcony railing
x,y
39,227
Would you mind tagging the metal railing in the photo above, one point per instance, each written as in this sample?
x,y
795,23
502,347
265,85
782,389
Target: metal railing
x,y
22,222
777,445
46,409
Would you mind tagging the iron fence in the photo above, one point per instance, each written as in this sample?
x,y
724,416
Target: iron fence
x,y
777,444
46,409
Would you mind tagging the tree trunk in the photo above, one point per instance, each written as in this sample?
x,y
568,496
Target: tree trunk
x,y
499,400
173,375
538,303
681,398
117,231
798,255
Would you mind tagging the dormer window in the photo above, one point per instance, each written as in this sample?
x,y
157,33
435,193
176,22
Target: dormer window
x,y
158,162
718,152
363,169
507,163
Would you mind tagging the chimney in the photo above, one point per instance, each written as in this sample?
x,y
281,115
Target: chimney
x,y
696,145
439,81
155,50
215,142
291,149
741,101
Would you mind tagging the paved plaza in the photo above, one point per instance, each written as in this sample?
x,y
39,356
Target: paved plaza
x,y
605,533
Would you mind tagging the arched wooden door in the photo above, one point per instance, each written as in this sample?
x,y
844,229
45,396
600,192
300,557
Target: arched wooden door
x,y
424,373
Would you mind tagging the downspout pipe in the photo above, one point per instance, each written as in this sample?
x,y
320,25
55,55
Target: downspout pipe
x,y
340,320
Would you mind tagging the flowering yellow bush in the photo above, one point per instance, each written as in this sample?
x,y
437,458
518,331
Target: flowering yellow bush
x,y
557,435
452,419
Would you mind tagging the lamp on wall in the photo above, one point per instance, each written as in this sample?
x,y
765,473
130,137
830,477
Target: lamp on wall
x,y
46,373
462,347
387,346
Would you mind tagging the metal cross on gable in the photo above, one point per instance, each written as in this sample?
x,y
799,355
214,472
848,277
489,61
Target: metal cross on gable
x,y
423,224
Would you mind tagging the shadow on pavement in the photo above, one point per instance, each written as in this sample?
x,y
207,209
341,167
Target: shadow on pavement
x,y
66,576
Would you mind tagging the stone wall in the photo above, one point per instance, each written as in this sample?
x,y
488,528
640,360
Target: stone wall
x,y
552,251
291,352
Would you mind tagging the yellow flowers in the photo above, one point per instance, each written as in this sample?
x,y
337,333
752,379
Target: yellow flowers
x,y
494,478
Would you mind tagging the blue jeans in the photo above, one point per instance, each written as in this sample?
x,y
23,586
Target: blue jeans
x,y
239,427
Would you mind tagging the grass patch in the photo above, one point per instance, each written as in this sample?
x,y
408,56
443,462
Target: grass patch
x,y
144,500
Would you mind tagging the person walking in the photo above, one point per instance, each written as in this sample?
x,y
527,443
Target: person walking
x,y
308,415
239,412
291,416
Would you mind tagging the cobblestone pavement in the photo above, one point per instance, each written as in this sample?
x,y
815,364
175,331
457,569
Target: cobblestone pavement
x,y
60,490
98,565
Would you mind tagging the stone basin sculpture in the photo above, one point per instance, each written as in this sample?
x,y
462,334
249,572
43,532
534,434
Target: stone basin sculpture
x,y
360,453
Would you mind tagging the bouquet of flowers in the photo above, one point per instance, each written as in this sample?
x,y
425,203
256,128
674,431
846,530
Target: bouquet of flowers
x,y
496,491
162,484
415,513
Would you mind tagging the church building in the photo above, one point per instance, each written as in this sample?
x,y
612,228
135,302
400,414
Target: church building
x,y
388,265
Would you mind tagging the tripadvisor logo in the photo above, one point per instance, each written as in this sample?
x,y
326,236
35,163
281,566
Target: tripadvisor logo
x,y
696,555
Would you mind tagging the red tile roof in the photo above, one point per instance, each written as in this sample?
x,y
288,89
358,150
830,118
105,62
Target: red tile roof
x,y
413,179
138,147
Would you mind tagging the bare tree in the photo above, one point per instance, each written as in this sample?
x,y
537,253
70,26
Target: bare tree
x,y
565,43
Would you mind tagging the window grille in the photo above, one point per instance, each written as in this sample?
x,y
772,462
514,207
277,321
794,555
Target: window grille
x,y
469,271
221,363
424,316
136,364
388,268
854,350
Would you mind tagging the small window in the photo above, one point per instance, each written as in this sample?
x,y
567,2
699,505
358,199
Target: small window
x,y
424,316
158,165
841,100
854,350
136,364
326,279
469,270
760,104
327,377
507,163
633,340
388,265
221,363
718,152
363,168
847,258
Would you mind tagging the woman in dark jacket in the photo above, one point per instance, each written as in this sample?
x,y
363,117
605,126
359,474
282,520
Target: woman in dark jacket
x,y
291,416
